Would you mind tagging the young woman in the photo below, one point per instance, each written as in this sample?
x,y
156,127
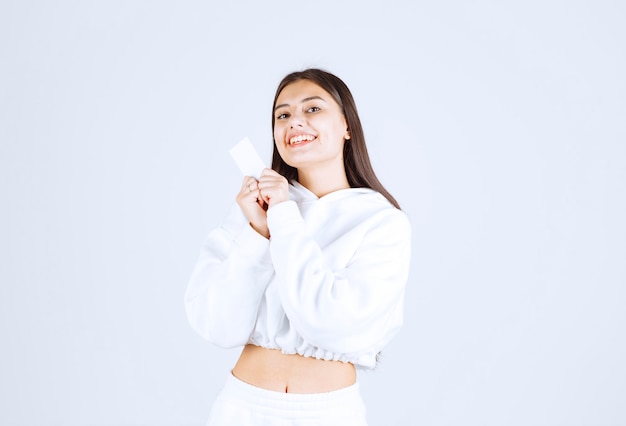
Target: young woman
x,y
307,272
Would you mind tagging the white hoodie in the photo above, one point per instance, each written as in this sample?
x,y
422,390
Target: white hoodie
x,y
329,283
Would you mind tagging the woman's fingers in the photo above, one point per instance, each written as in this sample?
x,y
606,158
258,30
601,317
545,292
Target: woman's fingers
x,y
252,205
273,187
249,184
256,196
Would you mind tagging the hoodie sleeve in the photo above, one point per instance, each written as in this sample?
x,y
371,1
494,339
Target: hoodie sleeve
x,y
228,281
353,308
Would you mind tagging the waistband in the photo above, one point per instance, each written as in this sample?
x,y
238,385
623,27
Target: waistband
x,y
235,387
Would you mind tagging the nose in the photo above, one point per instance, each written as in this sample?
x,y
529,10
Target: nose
x,y
296,120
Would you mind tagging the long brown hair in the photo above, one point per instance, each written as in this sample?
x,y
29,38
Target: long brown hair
x,y
356,160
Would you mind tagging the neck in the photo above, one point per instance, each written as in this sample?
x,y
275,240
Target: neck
x,y
322,182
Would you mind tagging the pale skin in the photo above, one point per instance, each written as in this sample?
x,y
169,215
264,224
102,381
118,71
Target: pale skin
x,y
309,131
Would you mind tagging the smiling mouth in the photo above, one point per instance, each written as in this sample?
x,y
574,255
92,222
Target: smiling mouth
x,y
296,140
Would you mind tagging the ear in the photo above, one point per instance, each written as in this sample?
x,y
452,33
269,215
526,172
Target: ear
x,y
347,135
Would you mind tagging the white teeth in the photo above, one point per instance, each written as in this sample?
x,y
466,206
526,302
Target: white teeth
x,y
297,139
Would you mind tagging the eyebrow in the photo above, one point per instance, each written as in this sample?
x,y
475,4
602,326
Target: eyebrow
x,y
302,101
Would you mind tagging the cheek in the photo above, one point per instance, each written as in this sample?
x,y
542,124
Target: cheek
x,y
278,144
279,137
279,131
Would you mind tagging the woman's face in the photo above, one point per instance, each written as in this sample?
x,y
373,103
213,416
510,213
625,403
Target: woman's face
x,y
309,127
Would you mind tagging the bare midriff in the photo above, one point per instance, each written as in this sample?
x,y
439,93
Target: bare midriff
x,y
273,370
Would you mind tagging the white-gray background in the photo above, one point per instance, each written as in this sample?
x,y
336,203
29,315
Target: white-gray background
x,y
499,126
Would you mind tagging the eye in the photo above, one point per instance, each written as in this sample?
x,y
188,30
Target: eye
x,y
313,109
282,116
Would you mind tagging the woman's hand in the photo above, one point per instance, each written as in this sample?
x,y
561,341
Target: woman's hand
x,y
273,187
252,205
255,197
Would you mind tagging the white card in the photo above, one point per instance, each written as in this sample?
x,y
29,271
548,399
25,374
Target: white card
x,y
248,160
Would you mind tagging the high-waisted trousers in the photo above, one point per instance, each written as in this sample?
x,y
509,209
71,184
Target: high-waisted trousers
x,y
241,404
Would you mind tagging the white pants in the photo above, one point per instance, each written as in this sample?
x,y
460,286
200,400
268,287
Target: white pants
x,y
241,404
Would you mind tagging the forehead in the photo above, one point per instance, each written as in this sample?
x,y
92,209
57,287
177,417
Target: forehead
x,y
301,89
